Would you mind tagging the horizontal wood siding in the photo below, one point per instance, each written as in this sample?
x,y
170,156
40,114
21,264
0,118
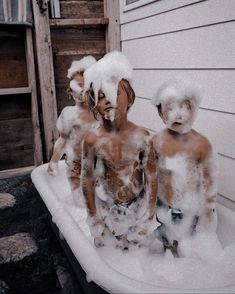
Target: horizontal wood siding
x,y
16,132
12,58
81,9
194,40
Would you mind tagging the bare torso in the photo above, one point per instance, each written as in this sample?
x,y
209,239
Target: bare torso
x,y
119,160
179,160
82,123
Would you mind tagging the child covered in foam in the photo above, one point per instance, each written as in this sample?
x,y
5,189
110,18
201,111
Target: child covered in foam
x,y
72,124
186,171
120,188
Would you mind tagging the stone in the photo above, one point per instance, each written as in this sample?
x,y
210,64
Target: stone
x,y
6,200
15,247
3,287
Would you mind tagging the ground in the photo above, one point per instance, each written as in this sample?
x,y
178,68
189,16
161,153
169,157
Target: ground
x,y
31,259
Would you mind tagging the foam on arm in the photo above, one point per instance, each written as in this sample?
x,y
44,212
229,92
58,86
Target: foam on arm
x,y
208,218
151,180
88,175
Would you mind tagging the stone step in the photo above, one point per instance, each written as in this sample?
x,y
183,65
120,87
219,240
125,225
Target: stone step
x,y
6,200
15,247
3,287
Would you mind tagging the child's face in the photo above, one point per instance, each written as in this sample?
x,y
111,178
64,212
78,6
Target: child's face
x,y
77,93
105,108
178,115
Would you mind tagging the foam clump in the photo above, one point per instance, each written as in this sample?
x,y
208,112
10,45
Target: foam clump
x,y
204,246
138,267
179,89
80,65
106,74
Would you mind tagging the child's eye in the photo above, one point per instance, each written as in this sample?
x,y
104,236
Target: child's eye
x,y
169,107
101,96
187,104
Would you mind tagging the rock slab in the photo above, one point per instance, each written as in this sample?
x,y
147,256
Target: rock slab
x,y
15,247
6,200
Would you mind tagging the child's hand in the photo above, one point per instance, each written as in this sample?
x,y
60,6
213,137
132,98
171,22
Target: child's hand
x,y
96,226
53,169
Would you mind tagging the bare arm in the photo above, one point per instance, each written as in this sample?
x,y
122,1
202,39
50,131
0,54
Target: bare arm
x,y
59,148
88,175
58,152
208,218
64,129
95,223
151,180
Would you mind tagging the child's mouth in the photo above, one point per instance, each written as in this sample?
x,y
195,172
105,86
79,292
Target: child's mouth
x,y
108,108
177,124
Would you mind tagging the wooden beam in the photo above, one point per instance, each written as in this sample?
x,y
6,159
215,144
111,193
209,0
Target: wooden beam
x,y
113,37
8,173
46,76
13,91
90,51
60,23
34,103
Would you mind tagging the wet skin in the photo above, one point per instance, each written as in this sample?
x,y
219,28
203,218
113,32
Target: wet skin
x,y
126,155
73,137
196,151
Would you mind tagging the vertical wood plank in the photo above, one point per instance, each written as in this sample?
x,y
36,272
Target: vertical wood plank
x,y
111,10
34,103
46,76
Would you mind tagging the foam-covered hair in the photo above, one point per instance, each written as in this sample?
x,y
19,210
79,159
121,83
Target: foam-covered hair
x,y
106,74
178,89
80,65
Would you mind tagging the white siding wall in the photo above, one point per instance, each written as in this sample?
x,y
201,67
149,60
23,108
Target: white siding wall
x,y
193,39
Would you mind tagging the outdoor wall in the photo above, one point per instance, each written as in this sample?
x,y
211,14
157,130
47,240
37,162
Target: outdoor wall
x,y
73,41
192,39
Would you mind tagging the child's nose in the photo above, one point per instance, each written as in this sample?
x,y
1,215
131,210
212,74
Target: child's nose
x,y
179,116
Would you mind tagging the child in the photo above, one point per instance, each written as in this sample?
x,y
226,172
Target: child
x,y
73,123
186,167
120,188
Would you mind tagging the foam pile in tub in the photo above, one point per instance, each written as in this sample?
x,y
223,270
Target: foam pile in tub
x,y
138,270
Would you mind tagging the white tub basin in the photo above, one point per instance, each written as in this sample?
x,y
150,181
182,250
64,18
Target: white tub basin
x,y
136,271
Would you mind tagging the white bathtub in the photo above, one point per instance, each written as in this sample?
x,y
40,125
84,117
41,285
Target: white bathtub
x,y
136,271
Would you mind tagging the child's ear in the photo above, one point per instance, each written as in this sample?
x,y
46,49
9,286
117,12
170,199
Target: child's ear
x,y
69,92
130,102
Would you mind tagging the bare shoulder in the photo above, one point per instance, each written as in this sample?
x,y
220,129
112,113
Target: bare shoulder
x,y
203,145
68,111
158,139
90,139
139,130
66,118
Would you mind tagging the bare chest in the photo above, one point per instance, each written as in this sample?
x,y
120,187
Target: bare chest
x,y
118,153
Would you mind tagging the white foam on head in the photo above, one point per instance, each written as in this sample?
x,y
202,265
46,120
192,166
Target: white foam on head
x,y
106,74
178,89
80,65
173,96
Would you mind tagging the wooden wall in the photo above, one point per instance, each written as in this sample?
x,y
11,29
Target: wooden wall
x,y
192,39
12,56
73,41
16,129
